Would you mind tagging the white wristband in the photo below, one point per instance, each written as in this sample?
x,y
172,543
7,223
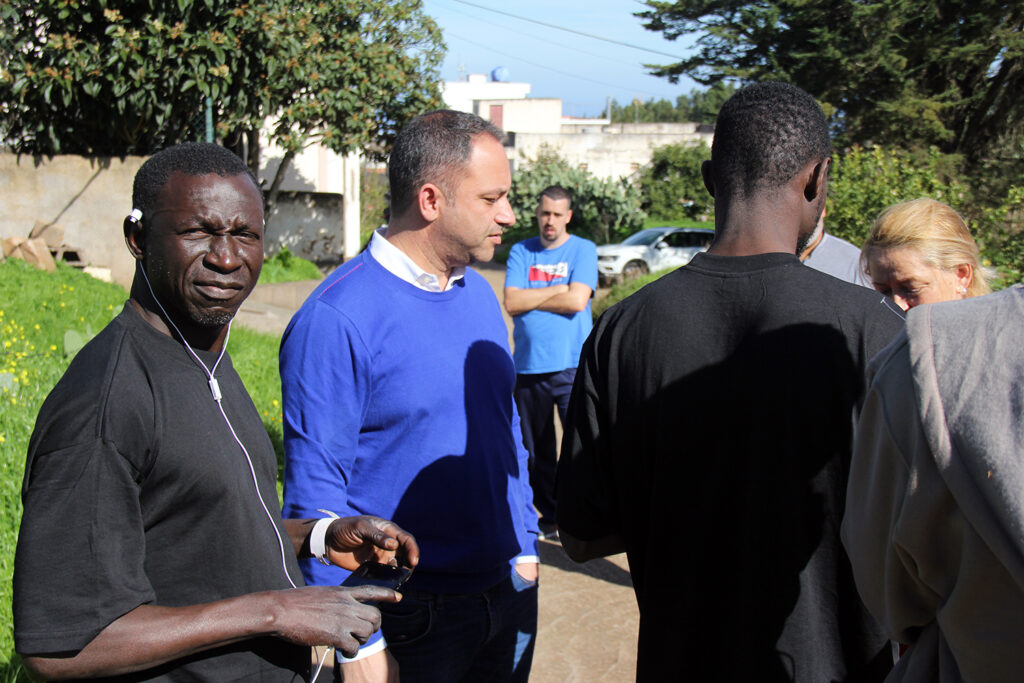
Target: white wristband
x,y
318,537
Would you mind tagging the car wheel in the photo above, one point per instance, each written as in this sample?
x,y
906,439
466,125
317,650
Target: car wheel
x,y
634,269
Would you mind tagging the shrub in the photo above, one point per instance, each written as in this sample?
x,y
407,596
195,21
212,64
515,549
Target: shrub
x,y
672,186
622,290
602,210
864,182
284,266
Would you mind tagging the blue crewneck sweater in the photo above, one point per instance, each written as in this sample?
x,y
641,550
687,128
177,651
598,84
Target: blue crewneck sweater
x,y
398,403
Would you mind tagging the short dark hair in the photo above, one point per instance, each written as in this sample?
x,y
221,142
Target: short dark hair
x,y
555,192
189,158
764,134
429,149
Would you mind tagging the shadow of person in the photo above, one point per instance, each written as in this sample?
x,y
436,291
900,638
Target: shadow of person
x,y
467,512
553,555
483,473
729,484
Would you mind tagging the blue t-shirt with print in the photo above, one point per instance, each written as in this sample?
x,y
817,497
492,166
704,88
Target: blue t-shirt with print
x,y
544,341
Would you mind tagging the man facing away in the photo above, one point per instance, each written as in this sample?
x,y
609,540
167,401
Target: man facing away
x,y
397,383
710,426
549,280
934,517
151,471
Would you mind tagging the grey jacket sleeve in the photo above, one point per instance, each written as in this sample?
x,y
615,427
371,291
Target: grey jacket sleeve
x,y
889,502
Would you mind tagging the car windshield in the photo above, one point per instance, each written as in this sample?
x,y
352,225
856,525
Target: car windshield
x,y
644,237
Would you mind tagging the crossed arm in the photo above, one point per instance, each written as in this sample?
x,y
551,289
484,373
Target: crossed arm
x,y
151,635
564,299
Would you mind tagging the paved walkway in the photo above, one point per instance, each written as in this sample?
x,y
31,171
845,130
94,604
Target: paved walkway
x,y
588,615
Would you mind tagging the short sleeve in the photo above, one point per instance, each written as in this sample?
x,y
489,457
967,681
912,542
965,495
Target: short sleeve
x,y
80,562
584,268
515,268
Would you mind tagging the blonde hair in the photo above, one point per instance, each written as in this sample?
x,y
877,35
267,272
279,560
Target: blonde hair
x,y
932,229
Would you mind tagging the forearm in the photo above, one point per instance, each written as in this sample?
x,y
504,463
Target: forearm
x,y
350,541
567,303
519,301
151,635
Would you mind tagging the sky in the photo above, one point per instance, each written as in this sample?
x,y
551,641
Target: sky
x,y
580,70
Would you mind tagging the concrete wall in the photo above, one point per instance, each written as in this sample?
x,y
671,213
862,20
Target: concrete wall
x,y
614,152
88,197
310,224
535,115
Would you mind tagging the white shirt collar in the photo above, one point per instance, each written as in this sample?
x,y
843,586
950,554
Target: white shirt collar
x,y
398,263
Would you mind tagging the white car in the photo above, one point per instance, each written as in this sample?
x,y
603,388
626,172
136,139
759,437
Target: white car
x,y
650,250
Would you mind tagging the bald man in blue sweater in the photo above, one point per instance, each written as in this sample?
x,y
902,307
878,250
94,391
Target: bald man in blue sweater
x,y
397,383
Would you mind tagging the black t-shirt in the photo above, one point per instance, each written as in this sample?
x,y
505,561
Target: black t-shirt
x,y
136,493
710,427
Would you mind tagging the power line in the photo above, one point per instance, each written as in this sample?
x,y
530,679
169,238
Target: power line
x,y
544,66
534,37
569,30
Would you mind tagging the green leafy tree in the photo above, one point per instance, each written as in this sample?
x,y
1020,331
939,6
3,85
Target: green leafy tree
x,y
700,106
346,74
672,186
116,77
904,73
603,210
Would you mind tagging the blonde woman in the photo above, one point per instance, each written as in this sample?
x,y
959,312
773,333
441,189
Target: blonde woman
x,y
921,252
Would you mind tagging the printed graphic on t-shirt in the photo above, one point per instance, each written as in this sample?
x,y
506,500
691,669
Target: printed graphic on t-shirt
x,y
548,272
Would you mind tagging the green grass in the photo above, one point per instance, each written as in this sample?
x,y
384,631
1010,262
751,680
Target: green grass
x,y
37,311
284,266
678,223
622,290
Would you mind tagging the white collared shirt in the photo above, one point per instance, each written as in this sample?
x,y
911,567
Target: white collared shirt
x,y
398,263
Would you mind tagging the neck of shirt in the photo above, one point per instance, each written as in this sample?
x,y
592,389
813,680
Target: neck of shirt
x,y
398,263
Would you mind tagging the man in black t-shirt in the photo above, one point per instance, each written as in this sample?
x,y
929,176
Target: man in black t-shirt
x,y
152,545
710,426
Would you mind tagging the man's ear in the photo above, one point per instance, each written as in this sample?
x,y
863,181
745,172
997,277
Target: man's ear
x,y
816,179
430,200
705,173
134,237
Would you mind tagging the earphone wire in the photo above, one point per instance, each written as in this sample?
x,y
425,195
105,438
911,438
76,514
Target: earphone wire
x,y
215,390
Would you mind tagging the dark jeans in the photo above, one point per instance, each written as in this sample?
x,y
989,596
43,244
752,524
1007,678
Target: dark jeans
x,y
536,396
486,636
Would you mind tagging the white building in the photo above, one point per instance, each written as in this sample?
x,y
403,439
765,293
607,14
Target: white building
x,y
605,149
317,214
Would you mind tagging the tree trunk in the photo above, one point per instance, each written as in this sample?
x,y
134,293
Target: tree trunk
x,y
252,156
275,189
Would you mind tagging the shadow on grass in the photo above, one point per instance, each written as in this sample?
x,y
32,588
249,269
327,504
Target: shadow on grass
x,y
553,555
